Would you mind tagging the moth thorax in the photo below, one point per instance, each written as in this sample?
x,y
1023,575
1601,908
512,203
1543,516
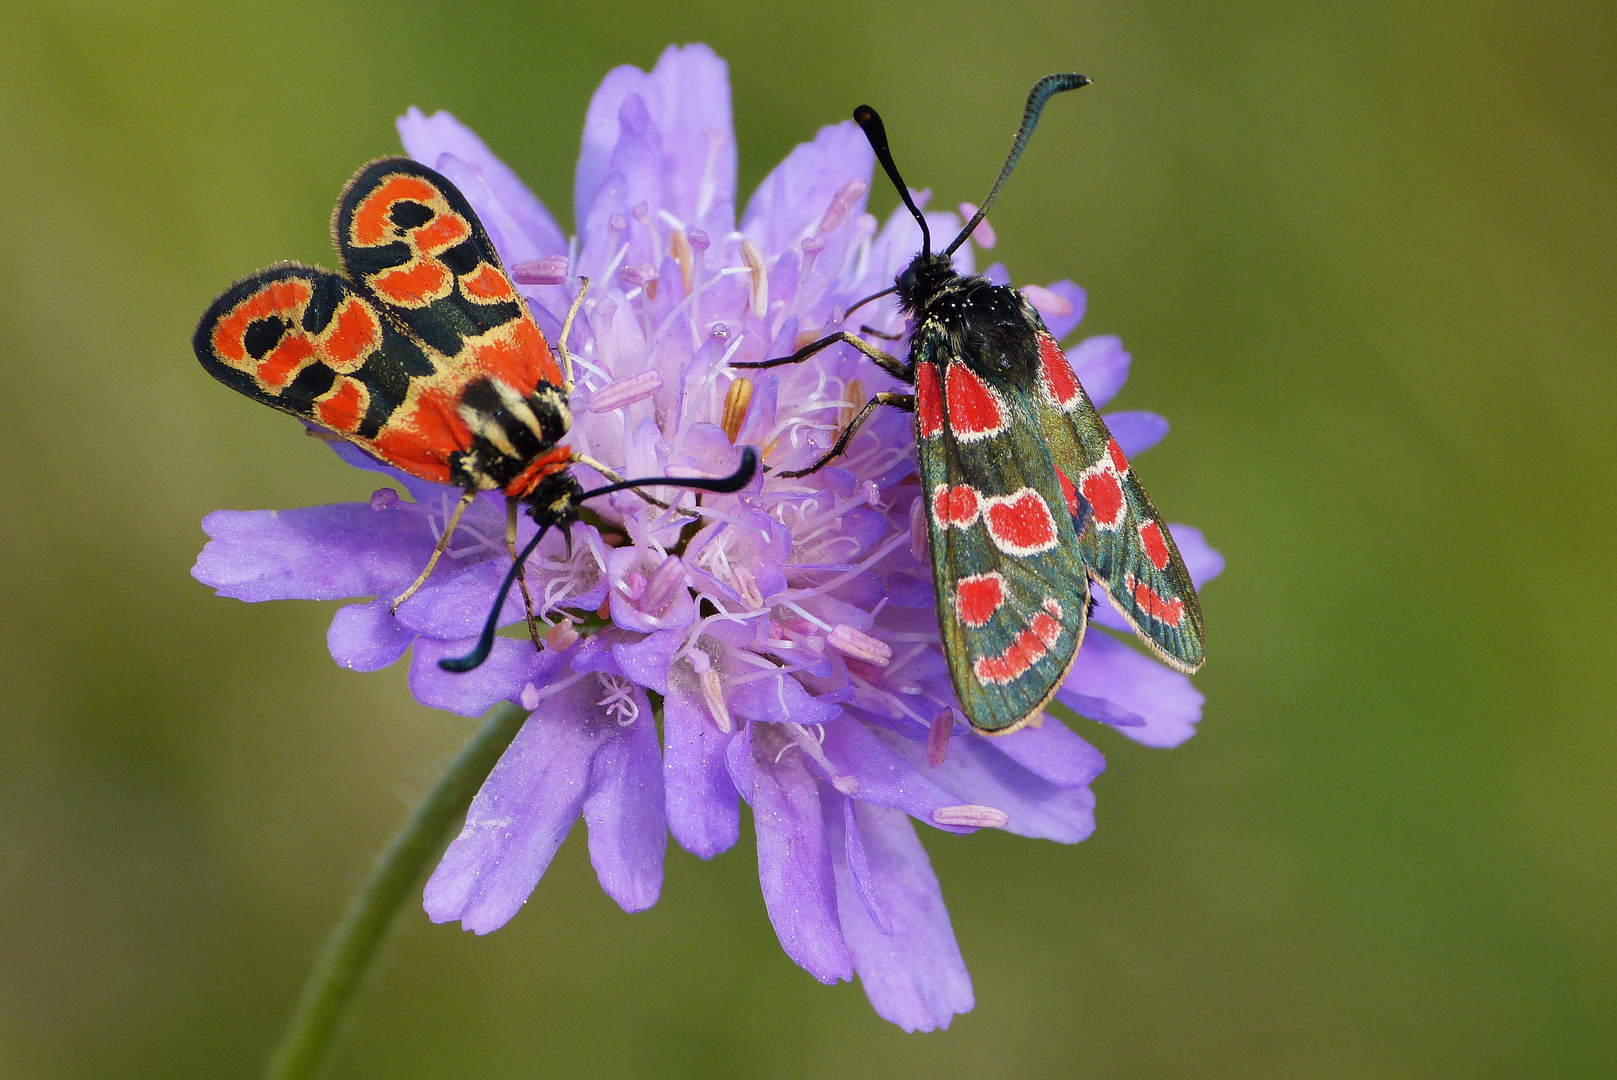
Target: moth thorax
x,y
514,426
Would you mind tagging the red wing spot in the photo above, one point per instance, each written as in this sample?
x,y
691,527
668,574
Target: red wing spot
x,y
1028,649
1154,604
354,334
1020,523
284,361
342,409
1156,548
975,411
1045,628
1059,382
284,298
957,506
1068,492
371,224
977,597
414,283
1119,462
1105,494
928,401
487,284
441,233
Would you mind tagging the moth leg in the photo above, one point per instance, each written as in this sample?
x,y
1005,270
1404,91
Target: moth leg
x,y
522,577
897,401
884,335
443,542
567,328
887,362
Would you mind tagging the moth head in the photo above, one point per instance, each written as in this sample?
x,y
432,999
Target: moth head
x,y
922,278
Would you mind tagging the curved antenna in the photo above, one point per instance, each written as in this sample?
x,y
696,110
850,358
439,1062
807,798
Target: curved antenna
x,y
485,641
870,122
1042,91
868,299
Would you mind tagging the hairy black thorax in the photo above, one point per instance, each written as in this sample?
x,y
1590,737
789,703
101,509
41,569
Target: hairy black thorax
x,y
992,328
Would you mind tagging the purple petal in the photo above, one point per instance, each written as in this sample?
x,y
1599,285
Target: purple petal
x,y
427,138
1136,432
317,553
1053,751
703,807
796,194
366,637
1061,324
455,601
915,976
1129,680
766,696
858,861
687,98
511,666
979,773
794,865
646,661
624,810
884,777
525,810
1101,365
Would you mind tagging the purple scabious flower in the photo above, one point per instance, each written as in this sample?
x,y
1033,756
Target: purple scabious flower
x,y
791,639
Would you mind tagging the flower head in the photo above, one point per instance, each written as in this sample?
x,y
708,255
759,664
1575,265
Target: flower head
x,y
787,630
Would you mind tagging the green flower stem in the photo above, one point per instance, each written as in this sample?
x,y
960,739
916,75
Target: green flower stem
x,y
329,994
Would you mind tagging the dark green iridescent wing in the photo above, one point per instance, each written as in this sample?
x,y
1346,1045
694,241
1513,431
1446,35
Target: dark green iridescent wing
x,y
1012,590
1123,542
1029,500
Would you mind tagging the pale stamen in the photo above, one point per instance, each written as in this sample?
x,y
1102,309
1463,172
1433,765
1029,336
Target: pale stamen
x,y
859,645
713,694
619,702
937,740
550,270
627,390
971,816
841,203
681,248
758,280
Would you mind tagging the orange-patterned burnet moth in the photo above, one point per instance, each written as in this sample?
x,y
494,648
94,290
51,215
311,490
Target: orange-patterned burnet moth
x,y
423,354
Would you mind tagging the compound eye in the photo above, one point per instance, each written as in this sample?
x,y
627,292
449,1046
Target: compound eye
x,y
906,280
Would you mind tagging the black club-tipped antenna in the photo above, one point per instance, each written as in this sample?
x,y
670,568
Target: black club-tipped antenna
x,y
723,484
870,122
1043,91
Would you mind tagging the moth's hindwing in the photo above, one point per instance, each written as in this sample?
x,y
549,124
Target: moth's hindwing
x,y
1012,588
1124,543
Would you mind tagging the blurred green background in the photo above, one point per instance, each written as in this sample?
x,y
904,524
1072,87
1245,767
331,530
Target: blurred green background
x,y
1364,256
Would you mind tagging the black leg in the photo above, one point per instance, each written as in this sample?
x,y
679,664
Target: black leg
x,y
897,401
888,363
884,335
